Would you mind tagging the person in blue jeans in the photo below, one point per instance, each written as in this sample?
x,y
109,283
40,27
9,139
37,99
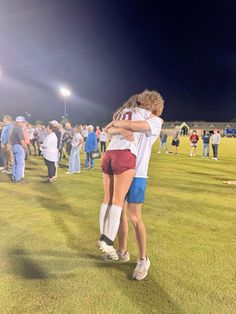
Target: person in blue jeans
x,y
163,141
90,145
74,160
2,159
18,148
205,143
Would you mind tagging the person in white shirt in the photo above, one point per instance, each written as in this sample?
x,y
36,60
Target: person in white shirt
x,y
215,141
136,195
50,152
139,114
103,140
74,159
85,132
32,139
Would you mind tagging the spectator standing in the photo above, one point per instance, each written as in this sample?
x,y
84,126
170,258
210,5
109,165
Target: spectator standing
x,y
215,141
50,152
90,145
85,132
163,141
194,138
32,138
27,143
18,148
2,159
61,147
68,136
74,159
98,132
41,134
5,139
205,144
103,140
175,141
56,130
27,139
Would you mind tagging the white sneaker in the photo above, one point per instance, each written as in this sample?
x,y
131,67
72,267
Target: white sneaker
x,y
68,172
8,171
109,249
124,257
121,257
159,152
167,152
141,270
2,168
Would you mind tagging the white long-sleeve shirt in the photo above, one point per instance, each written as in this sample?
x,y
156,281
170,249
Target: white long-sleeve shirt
x,y
49,147
215,138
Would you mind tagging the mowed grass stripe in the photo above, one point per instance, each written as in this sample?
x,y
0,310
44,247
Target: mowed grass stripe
x,y
49,260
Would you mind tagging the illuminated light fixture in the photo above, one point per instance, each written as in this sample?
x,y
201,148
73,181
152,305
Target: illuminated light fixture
x,y
65,92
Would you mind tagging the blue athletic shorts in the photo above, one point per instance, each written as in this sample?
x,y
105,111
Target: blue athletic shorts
x,y
137,191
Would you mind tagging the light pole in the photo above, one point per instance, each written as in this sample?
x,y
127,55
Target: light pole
x,y
65,92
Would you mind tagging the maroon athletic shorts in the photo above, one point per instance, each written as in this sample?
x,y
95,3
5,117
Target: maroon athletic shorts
x,y
118,161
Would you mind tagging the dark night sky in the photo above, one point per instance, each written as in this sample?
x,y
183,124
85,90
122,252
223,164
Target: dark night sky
x,y
105,51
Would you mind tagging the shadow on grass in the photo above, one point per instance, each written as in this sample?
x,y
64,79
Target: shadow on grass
x,y
147,294
58,207
25,267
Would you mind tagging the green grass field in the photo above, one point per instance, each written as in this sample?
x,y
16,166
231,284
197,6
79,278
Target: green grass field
x,y
50,263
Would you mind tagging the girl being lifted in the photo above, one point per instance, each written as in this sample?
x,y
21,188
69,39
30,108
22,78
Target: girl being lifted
x,y
139,114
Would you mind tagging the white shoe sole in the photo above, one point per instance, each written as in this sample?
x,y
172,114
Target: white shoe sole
x,y
107,257
145,275
108,250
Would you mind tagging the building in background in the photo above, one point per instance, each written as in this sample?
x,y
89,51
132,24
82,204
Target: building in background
x,y
186,127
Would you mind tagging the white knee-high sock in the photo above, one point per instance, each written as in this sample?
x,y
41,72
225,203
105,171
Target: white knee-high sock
x,y
106,222
102,214
113,221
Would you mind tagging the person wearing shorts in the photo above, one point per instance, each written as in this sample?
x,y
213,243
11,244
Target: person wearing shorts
x,y
193,143
175,141
118,166
149,129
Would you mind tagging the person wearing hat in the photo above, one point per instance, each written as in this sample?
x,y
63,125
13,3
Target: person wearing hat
x,y
18,148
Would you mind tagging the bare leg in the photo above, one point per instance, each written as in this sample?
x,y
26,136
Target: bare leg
x,y
191,151
108,181
104,209
134,213
123,231
122,184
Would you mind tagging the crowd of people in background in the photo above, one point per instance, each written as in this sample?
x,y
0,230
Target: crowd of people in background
x,y
20,139
194,138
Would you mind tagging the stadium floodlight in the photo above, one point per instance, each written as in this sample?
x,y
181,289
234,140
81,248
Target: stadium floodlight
x,y
65,92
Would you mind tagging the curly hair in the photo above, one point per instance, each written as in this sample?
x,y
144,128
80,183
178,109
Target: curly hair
x,y
149,100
